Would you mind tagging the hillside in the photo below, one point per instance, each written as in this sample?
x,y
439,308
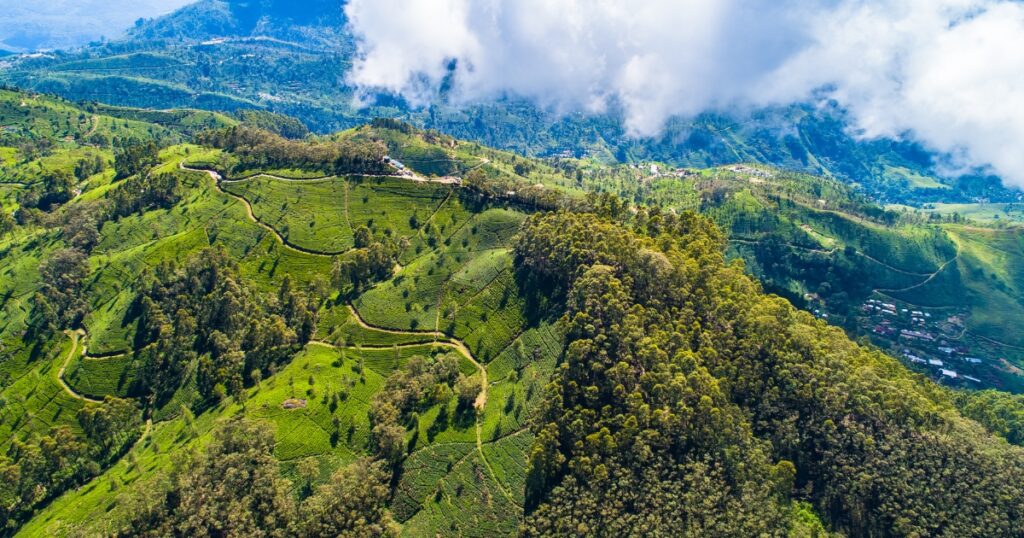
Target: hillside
x,y
228,55
455,341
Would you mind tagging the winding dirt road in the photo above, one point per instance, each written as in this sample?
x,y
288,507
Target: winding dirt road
x,y
218,181
440,339
76,337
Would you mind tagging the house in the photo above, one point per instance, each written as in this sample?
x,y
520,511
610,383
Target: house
x,y
935,362
949,373
906,333
915,358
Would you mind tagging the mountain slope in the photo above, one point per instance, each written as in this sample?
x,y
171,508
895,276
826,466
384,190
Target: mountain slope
x,y
494,347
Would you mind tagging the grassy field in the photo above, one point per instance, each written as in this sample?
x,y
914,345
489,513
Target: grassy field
x,y
454,291
998,213
913,179
309,214
455,278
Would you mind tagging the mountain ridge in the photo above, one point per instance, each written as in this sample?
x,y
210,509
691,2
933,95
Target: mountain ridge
x,y
207,68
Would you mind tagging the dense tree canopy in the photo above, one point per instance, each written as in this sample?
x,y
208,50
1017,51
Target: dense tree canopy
x,y
37,469
59,303
135,158
233,489
258,149
204,312
690,403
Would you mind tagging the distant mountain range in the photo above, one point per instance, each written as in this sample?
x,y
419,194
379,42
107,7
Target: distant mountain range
x,y
62,24
293,59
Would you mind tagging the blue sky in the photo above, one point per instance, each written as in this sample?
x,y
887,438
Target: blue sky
x,y
30,24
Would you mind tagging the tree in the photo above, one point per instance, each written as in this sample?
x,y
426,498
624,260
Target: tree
x,y
687,402
142,192
388,442
81,228
206,311
135,158
467,391
111,426
232,489
7,222
353,503
363,237
56,188
60,303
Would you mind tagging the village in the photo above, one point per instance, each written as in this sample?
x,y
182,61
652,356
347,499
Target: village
x,y
927,341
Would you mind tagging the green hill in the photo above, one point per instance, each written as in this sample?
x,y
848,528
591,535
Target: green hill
x,y
235,332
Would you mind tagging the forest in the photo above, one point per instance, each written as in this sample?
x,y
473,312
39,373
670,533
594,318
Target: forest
x,y
247,330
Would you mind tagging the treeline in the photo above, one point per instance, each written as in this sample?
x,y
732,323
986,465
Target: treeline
x,y
418,385
234,488
38,469
141,192
689,403
278,124
257,149
203,313
1001,413
372,260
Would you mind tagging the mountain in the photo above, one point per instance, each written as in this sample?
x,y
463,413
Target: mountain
x,y
210,328
293,59
210,19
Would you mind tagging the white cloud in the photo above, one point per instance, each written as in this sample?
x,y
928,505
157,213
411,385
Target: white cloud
x,y
949,73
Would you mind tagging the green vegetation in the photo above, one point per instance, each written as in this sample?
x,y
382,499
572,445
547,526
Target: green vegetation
x,y
269,57
388,354
987,213
682,383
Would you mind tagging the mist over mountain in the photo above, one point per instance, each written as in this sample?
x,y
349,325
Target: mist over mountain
x,y
308,63
905,70
605,80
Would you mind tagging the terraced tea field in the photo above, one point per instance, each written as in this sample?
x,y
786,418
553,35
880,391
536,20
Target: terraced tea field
x,y
454,292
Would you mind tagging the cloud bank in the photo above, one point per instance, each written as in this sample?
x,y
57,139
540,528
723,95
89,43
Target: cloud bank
x,y
947,73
